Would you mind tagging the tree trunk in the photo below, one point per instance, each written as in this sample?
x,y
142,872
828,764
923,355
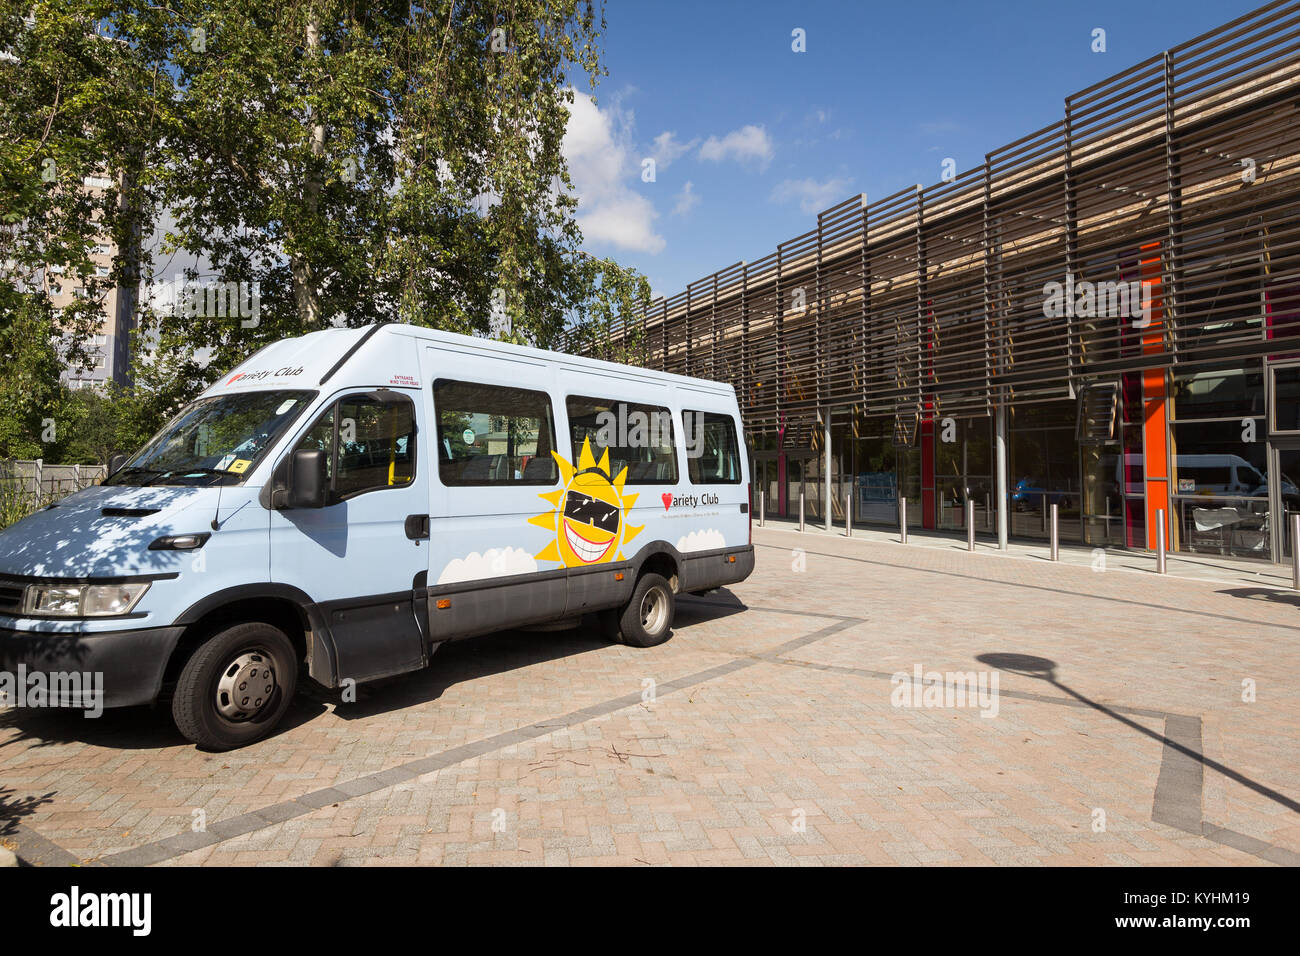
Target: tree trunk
x,y
306,295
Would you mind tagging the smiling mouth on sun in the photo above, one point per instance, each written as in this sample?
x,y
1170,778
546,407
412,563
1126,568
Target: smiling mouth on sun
x,y
587,551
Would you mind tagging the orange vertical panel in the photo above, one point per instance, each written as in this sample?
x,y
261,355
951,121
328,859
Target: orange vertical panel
x,y
1155,416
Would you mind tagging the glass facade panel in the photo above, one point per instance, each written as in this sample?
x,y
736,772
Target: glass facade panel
x,y
1286,399
964,469
1217,393
1044,470
1220,486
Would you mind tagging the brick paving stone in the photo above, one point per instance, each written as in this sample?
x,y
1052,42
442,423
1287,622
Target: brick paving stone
x,y
787,711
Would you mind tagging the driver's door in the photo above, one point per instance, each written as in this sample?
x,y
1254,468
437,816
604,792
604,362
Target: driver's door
x,y
353,557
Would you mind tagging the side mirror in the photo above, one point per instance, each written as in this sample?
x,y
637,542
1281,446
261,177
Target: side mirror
x,y
115,463
308,482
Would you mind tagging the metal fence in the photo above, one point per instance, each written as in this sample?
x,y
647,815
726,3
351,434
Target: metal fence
x,y
36,481
1176,178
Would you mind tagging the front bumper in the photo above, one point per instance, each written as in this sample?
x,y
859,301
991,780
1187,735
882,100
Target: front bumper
x,y
127,665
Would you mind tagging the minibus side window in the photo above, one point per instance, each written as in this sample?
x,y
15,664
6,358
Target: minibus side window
x,y
370,441
712,450
638,437
493,435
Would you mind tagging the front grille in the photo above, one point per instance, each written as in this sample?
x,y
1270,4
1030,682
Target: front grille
x,y
11,598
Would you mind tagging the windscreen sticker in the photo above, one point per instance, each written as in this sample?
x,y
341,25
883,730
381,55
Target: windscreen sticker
x,y
225,463
239,466
588,515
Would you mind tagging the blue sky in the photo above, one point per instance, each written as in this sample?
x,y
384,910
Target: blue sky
x,y
766,137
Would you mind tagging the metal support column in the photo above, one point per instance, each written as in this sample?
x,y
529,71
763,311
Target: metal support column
x,y
827,467
1001,453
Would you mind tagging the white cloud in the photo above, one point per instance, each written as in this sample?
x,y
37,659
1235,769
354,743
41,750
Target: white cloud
x,y
813,196
602,166
749,143
668,149
702,541
493,563
687,199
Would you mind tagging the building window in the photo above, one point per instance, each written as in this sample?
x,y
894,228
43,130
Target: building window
x,y
1284,411
1220,393
637,437
493,435
1218,460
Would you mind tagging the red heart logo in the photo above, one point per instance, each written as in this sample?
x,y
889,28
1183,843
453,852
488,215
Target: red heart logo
x,y
668,499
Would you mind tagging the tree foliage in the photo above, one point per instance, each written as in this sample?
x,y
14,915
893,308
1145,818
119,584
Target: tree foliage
x,y
358,162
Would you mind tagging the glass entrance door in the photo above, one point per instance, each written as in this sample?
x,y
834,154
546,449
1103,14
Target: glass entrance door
x,y
766,480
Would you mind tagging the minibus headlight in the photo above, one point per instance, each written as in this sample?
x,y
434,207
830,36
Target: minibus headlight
x,y
41,600
86,600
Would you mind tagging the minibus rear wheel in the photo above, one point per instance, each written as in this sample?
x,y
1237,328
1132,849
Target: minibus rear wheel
x,y
647,618
235,688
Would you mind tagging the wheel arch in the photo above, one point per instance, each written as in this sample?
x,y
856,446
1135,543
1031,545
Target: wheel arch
x,y
661,558
280,605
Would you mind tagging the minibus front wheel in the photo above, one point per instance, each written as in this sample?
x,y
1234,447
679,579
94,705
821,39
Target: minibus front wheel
x,y
236,686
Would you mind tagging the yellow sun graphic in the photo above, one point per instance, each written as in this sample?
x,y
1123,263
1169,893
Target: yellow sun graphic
x,y
589,514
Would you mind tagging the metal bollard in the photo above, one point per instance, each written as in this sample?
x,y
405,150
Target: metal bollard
x,y
1295,551
1056,534
970,525
762,508
1160,541
902,521
848,514
801,521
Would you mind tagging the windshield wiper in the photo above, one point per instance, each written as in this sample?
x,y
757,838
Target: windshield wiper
x,y
135,469
188,473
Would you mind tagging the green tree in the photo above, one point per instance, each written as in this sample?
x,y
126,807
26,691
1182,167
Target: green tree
x,y
357,162
30,396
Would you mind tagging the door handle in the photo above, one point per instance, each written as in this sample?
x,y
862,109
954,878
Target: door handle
x,y
417,527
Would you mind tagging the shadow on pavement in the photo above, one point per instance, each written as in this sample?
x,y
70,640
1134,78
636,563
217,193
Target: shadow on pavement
x,y
1271,595
1041,668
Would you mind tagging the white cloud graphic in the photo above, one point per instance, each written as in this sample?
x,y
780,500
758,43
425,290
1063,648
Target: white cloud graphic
x,y
493,563
702,541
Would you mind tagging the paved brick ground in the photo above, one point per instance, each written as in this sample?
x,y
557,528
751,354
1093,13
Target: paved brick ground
x,y
772,736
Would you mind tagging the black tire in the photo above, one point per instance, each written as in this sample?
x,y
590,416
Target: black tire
x,y
641,624
204,710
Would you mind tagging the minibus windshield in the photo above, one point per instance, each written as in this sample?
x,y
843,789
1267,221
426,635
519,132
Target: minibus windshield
x,y
214,441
